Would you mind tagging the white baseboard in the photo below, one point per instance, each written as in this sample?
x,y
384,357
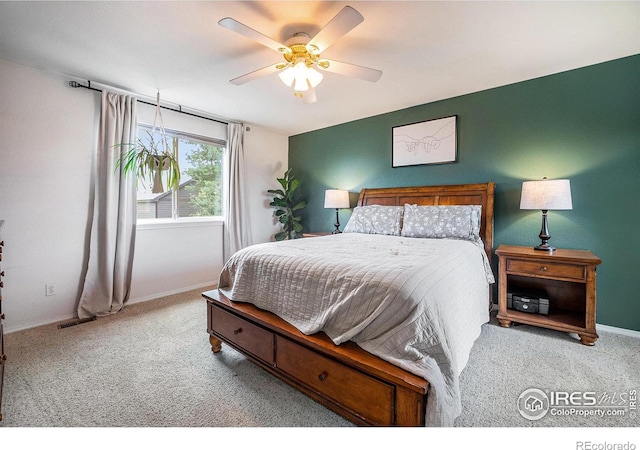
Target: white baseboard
x,y
68,317
616,330
28,326
207,285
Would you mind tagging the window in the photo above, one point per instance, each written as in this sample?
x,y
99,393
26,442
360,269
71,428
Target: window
x,y
201,173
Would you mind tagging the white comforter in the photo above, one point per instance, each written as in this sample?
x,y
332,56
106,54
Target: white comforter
x,y
417,303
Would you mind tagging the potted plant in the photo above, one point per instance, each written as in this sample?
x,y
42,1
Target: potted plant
x,y
286,205
148,158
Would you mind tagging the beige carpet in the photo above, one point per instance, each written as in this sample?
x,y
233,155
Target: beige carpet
x,y
151,366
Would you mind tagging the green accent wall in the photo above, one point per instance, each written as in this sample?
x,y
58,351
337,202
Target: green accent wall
x,y
583,125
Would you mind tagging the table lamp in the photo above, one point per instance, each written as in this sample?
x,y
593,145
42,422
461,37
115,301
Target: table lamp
x,y
545,195
336,198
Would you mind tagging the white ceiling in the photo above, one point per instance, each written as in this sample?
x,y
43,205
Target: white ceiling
x,y
427,50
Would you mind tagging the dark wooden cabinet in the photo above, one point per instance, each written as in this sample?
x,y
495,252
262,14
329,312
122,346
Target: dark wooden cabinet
x,y
2,355
352,382
567,277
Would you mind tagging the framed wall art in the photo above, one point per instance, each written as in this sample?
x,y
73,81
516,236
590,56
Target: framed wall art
x,y
429,142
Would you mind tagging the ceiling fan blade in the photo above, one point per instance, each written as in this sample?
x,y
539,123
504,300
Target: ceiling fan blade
x,y
250,33
255,74
350,70
347,19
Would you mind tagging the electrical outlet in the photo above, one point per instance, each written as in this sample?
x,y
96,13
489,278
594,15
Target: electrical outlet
x,y
50,289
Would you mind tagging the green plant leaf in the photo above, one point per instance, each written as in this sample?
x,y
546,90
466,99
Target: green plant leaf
x,y
281,236
285,203
299,205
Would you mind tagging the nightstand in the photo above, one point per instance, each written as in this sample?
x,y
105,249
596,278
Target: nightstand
x,y
568,277
316,234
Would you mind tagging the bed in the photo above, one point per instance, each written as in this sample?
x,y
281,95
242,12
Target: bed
x,y
374,323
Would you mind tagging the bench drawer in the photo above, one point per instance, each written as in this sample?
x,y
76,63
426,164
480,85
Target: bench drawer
x,y
253,339
368,397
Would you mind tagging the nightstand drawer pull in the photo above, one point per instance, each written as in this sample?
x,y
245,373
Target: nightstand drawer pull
x,y
543,268
322,376
238,331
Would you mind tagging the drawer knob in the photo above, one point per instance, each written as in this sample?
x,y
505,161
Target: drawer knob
x,y
322,376
1,316
238,331
543,268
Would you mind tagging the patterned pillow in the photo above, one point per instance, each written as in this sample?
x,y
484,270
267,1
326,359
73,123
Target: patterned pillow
x,y
375,219
454,222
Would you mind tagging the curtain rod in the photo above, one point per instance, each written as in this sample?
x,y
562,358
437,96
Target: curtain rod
x,y
75,84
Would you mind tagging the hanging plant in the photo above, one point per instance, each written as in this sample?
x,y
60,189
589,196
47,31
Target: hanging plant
x,y
148,158
285,203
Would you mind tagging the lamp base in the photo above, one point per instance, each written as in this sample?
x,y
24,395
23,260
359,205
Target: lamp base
x,y
336,224
544,235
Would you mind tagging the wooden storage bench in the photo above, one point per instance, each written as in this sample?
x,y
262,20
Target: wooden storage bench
x,y
346,379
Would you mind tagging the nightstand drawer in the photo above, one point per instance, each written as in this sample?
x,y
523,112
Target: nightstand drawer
x,y
547,269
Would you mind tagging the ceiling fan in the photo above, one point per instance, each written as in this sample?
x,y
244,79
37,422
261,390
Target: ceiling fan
x,y
302,55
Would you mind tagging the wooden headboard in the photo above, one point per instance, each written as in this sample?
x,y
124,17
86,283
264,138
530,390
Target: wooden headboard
x,y
459,194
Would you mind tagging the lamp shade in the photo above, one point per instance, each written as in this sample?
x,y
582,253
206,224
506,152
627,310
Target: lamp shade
x,y
546,195
336,198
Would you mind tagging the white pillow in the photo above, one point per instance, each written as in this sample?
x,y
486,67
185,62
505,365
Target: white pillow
x,y
375,219
453,222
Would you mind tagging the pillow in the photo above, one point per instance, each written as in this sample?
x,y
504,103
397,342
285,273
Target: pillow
x,y
453,222
375,219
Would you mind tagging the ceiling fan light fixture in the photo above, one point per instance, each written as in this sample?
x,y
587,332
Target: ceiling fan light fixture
x,y
313,76
310,95
300,76
287,76
303,76
302,54
300,85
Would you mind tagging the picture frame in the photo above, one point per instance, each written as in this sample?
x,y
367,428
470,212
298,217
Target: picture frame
x,y
429,142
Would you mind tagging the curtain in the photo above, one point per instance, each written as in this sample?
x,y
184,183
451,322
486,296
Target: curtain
x,y
237,228
108,274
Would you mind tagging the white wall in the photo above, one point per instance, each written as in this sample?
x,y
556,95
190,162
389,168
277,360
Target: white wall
x,y
265,161
47,136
